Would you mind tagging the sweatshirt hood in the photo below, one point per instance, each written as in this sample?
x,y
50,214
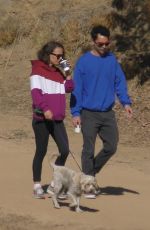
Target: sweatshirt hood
x,y
42,69
36,64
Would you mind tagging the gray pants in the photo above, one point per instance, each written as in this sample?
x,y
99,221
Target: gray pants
x,y
104,125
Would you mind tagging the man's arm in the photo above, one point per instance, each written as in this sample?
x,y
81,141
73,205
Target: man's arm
x,y
122,91
76,96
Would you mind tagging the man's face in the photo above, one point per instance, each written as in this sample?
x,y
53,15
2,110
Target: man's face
x,y
101,44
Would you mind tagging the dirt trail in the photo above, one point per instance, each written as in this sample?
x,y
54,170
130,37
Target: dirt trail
x,y
125,183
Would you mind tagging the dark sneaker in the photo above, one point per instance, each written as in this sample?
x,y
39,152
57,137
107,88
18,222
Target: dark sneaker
x,y
38,193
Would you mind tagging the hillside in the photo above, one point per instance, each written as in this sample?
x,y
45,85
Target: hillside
x,y
26,25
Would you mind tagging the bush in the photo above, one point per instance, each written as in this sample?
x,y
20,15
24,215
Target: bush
x,y
8,32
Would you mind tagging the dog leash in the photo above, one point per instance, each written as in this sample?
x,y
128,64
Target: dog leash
x,y
73,156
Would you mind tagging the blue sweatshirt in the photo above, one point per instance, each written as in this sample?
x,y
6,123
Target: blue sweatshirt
x,y
98,80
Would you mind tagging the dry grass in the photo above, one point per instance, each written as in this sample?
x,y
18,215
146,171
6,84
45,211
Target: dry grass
x,y
71,25
8,32
13,28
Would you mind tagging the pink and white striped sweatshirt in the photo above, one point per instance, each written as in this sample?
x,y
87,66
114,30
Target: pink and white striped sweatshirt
x,y
48,88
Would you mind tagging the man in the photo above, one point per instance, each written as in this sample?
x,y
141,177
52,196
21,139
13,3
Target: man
x,y
98,80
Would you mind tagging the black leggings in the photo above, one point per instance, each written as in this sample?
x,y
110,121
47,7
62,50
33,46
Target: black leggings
x,y
42,130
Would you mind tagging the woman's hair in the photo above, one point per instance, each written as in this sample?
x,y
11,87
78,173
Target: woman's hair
x,y
47,49
99,30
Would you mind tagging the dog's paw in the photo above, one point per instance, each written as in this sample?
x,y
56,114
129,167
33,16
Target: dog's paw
x,y
72,205
57,206
79,210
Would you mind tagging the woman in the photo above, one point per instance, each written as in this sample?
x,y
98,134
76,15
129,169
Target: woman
x,y
48,88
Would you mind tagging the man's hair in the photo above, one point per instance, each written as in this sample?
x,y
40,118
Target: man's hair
x,y
102,30
47,49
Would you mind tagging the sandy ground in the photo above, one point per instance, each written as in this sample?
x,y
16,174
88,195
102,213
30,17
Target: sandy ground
x,y
125,183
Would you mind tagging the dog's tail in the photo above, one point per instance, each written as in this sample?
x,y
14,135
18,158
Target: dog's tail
x,y
52,165
53,156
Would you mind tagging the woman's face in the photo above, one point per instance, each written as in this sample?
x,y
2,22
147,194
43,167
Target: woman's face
x,y
56,56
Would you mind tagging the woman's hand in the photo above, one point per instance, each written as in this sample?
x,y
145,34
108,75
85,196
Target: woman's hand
x,y
68,77
48,115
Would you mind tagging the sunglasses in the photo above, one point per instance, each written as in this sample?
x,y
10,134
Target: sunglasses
x,y
101,44
58,56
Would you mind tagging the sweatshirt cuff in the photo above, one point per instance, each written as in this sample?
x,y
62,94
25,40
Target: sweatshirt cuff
x,y
45,109
124,104
76,114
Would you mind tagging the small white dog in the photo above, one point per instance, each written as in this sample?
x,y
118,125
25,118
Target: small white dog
x,y
73,183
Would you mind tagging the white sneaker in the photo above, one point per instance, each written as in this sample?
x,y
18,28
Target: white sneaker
x,y
38,193
93,195
90,196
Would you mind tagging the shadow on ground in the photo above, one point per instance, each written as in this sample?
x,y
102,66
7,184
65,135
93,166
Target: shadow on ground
x,y
110,190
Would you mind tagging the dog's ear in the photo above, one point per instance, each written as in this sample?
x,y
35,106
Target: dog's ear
x,y
96,185
53,156
77,178
83,185
52,165
83,182
93,181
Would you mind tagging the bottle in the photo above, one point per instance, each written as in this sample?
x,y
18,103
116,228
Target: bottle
x,y
64,65
77,129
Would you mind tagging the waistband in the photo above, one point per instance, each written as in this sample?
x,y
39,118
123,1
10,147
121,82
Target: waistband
x,y
100,111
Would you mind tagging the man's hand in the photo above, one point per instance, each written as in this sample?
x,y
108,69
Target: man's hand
x,y
48,115
76,121
128,111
